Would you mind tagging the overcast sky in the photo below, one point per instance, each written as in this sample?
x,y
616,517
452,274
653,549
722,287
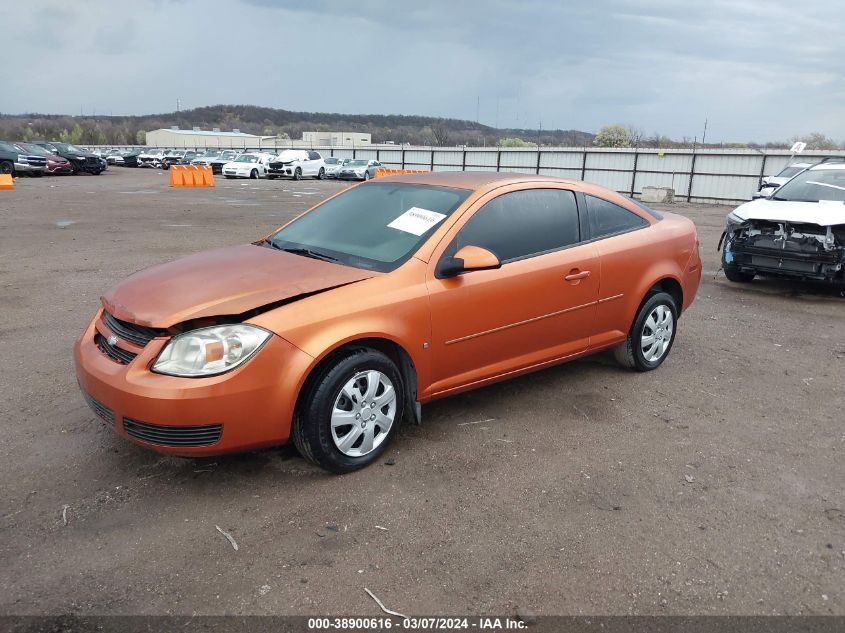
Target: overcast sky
x,y
756,69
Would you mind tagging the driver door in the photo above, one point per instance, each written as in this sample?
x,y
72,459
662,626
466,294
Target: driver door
x,y
539,306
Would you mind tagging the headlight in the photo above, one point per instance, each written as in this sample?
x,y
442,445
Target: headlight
x,y
210,351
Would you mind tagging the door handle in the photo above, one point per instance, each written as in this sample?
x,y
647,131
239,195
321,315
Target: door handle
x,y
576,275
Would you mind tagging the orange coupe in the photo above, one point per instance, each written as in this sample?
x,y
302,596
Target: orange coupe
x,y
384,297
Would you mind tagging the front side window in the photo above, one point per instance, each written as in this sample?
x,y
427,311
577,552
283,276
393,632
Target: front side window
x,y
607,218
523,223
376,226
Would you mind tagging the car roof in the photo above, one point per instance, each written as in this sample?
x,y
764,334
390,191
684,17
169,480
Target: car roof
x,y
474,180
822,166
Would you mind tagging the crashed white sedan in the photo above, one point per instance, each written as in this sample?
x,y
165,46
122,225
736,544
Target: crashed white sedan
x,y
248,166
798,232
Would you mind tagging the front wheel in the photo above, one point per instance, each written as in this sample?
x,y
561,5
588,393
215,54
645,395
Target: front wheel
x,y
366,175
297,174
652,334
7,167
349,411
253,175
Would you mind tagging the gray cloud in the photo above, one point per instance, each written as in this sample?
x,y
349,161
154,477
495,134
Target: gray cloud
x,y
757,69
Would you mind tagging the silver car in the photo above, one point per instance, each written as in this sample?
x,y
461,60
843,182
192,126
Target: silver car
x,y
359,169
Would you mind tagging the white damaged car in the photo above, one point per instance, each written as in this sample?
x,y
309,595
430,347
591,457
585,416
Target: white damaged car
x,y
798,232
248,166
770,183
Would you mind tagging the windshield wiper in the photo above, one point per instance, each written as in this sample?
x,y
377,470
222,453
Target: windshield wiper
x,y
304,252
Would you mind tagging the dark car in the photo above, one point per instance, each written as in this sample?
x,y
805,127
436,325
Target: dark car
x,y
24,163
55,163
216,163
80,160
130,157
177,157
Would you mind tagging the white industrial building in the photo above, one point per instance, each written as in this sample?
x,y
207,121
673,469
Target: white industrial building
x,y
336,139
197,138
174,137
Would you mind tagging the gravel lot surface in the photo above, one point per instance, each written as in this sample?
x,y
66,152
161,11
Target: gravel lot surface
x,y
711,486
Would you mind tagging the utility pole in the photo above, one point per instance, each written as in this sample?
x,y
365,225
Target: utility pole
x,y
477,108
704,136
177,104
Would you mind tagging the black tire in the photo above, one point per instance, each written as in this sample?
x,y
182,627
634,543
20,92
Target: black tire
x,y
253,175
37,174
228,177
736,275
269,177
74,168
321,174
297,174
630,353
7,167
367,175
311,431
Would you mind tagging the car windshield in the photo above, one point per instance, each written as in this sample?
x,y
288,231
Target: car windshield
x,y
246,158
376,226
790,171
68,148
357,163
34,149
331,161
814,185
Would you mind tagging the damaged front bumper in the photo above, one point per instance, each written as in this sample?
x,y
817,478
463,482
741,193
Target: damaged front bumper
x,y
771,247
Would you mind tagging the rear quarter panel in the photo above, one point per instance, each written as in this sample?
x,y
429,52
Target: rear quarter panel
x,y
633,262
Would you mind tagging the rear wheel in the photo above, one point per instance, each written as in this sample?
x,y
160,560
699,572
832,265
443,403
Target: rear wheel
x,y
652,334
349,411
321,174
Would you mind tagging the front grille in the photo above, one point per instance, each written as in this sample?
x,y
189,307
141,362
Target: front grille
x,y
117,354
132,332
99,409
36,161
204,435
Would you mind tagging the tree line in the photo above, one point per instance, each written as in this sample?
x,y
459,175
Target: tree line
x,y
414,130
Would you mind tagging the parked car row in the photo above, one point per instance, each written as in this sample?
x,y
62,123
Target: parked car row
x,y
288,163
38,159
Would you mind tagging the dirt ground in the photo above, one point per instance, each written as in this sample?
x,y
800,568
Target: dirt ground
x,y
711,486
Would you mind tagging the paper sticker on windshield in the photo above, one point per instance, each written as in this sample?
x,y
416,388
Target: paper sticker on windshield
x,y
416,221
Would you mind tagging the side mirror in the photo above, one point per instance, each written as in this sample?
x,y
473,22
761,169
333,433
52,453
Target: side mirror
x,y
467,259
765,192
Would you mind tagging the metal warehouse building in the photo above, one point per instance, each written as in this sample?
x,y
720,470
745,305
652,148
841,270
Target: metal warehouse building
x,y
174,137
335,139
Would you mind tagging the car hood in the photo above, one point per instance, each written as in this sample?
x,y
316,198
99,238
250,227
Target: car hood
x,y
241,166
821,213
223,282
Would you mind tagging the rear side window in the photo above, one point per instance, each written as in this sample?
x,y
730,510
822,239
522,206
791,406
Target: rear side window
x,y
607,218
313,156
523,223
